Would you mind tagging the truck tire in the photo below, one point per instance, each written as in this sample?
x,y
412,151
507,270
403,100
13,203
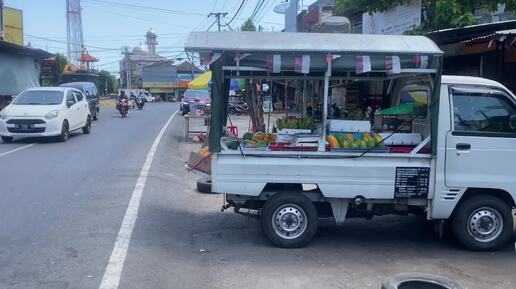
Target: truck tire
x,y
289,220
419,280
483,223
204,185
7,139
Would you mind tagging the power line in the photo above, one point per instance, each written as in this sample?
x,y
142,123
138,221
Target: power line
x,y
58,41
256,9
134,6
150,8
214,22
237,12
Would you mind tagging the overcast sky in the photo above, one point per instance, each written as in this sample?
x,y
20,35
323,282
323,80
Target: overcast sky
x,y
111,24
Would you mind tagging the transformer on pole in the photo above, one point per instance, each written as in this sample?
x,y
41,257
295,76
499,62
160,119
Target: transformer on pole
x,y
74,36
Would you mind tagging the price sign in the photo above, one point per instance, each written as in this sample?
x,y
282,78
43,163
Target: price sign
x,y
411,182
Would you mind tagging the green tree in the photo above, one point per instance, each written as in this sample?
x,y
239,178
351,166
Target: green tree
x,y
107,81
59,66
439,14
248,25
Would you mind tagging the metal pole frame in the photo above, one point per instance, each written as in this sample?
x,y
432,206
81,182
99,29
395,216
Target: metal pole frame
x,y
322,141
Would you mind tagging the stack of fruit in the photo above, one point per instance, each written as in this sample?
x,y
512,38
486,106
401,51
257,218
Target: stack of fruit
x,y
258,140
295,123
364,140
204,152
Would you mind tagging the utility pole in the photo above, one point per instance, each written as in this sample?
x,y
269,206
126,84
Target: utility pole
x,y
218,15
1,19
128,72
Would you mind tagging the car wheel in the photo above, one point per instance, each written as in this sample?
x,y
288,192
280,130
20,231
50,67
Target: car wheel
x,y
87,128
65,132
204,185
483,223
289,220
7,139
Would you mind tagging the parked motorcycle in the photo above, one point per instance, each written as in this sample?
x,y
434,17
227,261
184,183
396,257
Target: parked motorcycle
x,y
123,107
239,108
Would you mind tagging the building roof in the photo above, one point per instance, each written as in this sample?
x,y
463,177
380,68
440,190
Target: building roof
x,y
88,58
188,67
140,49
454,35
22,50
277,42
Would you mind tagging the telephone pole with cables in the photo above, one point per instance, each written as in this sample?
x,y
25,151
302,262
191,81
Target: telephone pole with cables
x,y
218,15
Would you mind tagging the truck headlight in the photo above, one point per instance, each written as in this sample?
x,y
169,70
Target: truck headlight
x,y
3,115
52,114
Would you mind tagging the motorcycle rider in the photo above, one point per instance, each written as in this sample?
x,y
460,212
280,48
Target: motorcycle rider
x,y
133,100
123,100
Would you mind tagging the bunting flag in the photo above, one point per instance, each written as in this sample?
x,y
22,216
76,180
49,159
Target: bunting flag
x,y
274,63
421,61
330,57
302,64
210,58
239,56
393,64
363,64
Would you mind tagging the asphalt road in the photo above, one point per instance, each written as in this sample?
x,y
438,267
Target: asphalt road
x,y
62,205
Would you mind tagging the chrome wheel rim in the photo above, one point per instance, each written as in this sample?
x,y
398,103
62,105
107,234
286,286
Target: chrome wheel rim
x,y
485,224
289,221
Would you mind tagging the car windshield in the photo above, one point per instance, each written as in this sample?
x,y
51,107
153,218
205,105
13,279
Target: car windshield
x,y
39,97
200,94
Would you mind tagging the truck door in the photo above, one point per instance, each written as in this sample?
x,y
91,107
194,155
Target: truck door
x,y
481,146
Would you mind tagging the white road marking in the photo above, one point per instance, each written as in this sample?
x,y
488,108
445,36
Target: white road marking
x,y
16,149
116,262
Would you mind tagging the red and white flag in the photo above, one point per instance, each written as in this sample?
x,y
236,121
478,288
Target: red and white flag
x,y
210,58
330,57
393,64
302,64
362,64
274,63
421,61
239,56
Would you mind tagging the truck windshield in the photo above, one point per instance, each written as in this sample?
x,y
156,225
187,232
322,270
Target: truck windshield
x,y
39,97
200,94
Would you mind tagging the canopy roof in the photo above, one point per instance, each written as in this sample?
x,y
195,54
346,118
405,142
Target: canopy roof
x,y
279,42
201,81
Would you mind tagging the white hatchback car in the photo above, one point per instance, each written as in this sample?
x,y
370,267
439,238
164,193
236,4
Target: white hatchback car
x,y
45,111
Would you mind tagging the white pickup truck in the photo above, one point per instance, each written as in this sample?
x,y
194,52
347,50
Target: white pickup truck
x,y
470,181
464,170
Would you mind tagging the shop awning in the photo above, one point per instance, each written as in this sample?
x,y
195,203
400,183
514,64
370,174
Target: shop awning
x,y
200,82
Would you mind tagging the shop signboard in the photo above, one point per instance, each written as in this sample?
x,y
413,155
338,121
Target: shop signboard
x,y
13,25
393,21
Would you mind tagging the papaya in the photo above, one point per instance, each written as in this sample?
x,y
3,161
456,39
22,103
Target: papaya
x,y
332,140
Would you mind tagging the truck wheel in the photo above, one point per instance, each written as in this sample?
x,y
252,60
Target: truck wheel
x,y
483,223
289,220
204,185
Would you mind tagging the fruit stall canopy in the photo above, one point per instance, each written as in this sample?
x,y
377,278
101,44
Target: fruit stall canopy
x,y
316,56
279,42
